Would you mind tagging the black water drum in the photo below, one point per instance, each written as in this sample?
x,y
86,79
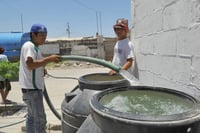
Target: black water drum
x,y
143,109
101,81
75,107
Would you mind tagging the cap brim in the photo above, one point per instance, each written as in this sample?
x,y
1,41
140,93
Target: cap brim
x,y
118,26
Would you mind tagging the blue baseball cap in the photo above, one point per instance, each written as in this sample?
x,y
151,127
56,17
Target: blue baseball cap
x,y
38,28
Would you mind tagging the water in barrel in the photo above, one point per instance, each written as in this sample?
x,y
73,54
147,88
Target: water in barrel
x,y
146,102
103,78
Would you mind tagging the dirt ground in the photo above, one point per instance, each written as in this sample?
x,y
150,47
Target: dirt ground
x,y
56,88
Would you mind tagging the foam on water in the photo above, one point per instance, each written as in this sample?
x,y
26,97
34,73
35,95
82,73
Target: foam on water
x,y
146,102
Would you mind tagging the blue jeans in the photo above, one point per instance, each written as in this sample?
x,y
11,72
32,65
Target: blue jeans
x,y
36,117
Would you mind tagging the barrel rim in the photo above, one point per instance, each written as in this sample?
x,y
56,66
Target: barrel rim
x,y
101,85
82,78
176,119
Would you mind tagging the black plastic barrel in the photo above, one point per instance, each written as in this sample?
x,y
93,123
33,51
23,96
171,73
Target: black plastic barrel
x,y
110,120
75,107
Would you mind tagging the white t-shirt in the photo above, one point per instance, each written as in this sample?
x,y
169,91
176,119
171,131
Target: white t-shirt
x,y
30,79
123,50
3,57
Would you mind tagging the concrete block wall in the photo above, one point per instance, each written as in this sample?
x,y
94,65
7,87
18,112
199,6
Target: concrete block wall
x,y
166,34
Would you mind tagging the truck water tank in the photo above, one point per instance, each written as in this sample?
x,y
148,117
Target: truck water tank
x,y
12,43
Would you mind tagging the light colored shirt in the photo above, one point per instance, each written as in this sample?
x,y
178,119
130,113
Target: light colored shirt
x,y
30,79
3,57
123,50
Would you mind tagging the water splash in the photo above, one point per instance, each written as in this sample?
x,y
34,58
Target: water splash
x,y
128,76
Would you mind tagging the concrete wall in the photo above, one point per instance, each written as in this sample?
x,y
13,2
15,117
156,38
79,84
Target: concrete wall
x,y
109,48
49,49
80,50
99,47
166,34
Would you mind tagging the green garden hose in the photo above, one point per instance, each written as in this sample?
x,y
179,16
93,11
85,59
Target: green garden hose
x,y
92,60
79,58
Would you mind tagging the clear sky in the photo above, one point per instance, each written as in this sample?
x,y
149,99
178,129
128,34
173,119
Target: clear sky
x,y
85,17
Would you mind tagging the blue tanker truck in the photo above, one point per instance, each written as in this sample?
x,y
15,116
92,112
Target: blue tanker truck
x,y
12,43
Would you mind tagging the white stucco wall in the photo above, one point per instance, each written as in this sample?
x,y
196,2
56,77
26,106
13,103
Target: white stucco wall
x,y
166,34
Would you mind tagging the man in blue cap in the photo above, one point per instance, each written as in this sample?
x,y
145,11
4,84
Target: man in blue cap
x,y
31,78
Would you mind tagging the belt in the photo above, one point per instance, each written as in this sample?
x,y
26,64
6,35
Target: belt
x,y
29,90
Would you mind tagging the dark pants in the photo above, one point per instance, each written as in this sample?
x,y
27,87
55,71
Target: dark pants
x,y
5,85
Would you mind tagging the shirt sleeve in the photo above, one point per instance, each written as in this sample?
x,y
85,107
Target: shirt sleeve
x,y
29,51
129,51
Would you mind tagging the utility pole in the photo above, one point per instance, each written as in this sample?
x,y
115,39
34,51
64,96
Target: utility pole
x,y
97,23
22,23
100,23
68,29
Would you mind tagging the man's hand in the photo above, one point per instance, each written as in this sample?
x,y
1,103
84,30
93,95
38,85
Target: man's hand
x,y
112,72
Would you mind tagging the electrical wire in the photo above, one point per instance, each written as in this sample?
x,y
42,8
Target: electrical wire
x,y
98,14
84,5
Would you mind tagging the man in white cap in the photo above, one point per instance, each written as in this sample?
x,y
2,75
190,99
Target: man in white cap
x,y
123,50
31,78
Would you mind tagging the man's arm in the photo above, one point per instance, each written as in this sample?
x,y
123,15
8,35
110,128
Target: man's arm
x,y
128,64
32,64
